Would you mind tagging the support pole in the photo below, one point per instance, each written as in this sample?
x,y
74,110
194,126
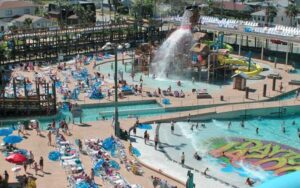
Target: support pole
x,y
208,67
287,54
262,52
274,84
265,90
241,43
247,92
116,122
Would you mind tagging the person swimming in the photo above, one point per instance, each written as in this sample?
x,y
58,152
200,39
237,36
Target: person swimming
x,y
197,157
229,124
242,124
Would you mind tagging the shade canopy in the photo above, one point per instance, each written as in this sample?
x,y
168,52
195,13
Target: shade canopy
x,y
16,158
12,139
6,132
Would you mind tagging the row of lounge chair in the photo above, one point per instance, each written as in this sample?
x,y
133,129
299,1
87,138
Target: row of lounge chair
x,y
99,152
69,160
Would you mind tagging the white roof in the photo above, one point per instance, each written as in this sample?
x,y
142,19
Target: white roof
x,y
240,74
259,13
25,16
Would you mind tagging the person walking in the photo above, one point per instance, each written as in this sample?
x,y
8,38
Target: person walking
x,y
41,163
92,174
172,127
25,167
6,176
145,136
182,158
155,142
49,138
30,158
280,87
35,167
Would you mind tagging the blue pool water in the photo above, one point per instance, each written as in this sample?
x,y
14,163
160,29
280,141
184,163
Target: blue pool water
x,y
187,85
96,112
199,139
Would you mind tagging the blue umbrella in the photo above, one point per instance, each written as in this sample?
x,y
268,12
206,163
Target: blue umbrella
x,y
12,139
114,164
99,164
5,132
54,155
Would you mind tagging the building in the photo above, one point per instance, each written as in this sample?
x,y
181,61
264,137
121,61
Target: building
x,y
69,15
280,19
12,9
36,22
3,26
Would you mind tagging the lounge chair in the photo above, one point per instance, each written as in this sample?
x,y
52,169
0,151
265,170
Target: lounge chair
x,y
176,94
203,96
155,94
294,82
149,94
165,93
277,76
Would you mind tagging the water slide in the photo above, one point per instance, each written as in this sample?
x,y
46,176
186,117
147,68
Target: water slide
x,y
255,69
225,45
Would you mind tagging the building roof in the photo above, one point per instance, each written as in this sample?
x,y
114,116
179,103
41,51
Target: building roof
x,y
25,16
232,6
10,4
259,13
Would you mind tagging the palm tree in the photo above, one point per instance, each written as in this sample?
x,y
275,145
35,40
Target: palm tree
x,y
208,10
80,13
291,11
271,13
27,23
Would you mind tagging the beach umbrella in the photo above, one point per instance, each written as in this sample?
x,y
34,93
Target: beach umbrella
x,y
5,132
12,139
99,164
53,155
16,158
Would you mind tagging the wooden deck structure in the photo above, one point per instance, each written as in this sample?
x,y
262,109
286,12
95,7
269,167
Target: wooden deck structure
x,y
49,44
42,101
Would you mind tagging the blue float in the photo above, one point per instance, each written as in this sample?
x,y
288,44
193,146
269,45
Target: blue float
x,y
144,126
54,155
135,152
166,101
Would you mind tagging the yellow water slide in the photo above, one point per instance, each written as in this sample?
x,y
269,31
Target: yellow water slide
x,y
255,69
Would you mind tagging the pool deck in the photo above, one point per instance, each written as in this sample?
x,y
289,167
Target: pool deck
x,y
103,129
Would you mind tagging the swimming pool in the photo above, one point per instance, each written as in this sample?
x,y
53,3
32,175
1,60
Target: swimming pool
x,y
187,85
235,164
95,112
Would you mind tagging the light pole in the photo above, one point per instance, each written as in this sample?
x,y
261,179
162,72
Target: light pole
x,y
116,48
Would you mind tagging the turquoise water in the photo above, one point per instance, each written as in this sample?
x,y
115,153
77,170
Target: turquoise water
x,y
270,129
187,85
94,113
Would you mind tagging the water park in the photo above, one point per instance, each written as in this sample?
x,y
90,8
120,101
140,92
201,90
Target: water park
x,y
184,111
